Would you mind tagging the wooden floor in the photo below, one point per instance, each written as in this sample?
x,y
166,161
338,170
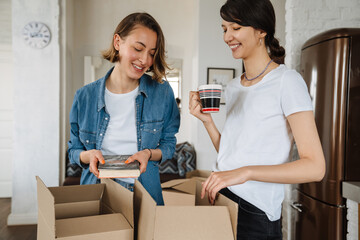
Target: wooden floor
x,y
26,232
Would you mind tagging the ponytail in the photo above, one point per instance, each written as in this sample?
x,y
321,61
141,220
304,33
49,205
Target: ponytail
x,y
277,52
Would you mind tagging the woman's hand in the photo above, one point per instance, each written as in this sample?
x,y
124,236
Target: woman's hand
x,y
92,157
195,107
219,180
142,157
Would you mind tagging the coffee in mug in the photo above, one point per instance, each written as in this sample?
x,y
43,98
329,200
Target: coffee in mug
x,y
210,96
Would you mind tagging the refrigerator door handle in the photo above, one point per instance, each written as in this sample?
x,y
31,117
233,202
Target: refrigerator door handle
x,y
297,206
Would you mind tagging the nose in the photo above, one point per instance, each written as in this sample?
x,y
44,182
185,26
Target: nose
x,y
228,36
143,58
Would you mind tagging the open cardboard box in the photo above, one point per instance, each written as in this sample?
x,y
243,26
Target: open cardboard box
x,y
200,174
179,192
201,221
98,211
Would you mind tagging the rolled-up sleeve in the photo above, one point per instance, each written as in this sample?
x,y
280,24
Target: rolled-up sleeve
x,y
171,126
75,146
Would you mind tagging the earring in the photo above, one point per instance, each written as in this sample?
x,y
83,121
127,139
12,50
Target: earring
x,y
260,41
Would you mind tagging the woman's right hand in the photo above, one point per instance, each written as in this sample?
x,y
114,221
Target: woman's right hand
x,y
92,157
195,107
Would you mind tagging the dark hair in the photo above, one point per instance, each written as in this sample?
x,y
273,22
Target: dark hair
x,y
124,29
258,14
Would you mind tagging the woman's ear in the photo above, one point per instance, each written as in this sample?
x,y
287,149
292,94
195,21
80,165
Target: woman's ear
x,y
261,33
117,41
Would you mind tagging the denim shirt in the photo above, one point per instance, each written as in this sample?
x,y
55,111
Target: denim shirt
x,y
157,122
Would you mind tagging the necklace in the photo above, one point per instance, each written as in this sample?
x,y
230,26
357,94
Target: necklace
x,y
259,74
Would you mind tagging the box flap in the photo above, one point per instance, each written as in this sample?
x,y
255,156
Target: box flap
x,y
46,209
77,193
119,199
192,223
233,210
91,225
172,183
198,200
183,185
175,198
187,187
144,213
198,173
77,209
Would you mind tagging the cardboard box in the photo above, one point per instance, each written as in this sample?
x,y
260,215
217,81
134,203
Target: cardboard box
x,y
202,175
179,192
198,222
98,211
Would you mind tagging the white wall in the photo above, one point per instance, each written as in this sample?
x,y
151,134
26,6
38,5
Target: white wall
x,y
212,52
36,108
6,99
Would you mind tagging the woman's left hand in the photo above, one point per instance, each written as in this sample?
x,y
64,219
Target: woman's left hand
x,y
219,180
142,157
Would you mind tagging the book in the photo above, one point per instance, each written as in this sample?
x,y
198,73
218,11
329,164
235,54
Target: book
x,y
115,167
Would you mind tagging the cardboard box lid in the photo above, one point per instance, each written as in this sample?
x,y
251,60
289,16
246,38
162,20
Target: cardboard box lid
x,y
220,201
91,225
46,205
77,209
144,212
233,210
183,185
77,193
175,198
119,199
193,223
198,173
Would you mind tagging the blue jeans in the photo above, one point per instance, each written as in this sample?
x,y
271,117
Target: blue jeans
x,y
253,224
128,186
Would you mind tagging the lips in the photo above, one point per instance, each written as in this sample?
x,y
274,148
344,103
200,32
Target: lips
x,y
233,47
138,68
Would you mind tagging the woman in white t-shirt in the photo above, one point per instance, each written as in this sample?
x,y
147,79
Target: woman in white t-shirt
x,y
267,108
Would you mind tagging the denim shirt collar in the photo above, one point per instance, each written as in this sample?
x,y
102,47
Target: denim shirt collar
x,y
143,88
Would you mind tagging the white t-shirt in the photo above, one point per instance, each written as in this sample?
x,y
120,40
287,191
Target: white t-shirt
x,y
256,132
120,136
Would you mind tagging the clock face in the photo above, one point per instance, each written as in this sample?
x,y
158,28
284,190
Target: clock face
x,y
36,34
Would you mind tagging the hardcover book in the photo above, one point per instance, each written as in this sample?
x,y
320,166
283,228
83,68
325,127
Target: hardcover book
x,y
115,167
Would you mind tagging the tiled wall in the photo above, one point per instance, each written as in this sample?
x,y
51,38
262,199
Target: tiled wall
x,y
305,19
353,217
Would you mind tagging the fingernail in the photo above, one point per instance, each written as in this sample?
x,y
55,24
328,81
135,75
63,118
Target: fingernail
x,y
127,161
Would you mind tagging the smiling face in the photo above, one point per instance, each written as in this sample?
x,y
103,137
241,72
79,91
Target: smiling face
x,y
136,51
243,41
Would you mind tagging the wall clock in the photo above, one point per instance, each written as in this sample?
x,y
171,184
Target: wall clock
x,y
36,34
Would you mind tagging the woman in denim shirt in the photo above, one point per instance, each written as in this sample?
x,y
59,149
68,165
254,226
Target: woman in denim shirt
x,y
127,111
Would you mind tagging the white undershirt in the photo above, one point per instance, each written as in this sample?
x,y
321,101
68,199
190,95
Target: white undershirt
x,y
120,136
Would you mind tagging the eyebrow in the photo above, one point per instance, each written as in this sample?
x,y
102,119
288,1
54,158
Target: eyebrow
x,y
144,45
232,23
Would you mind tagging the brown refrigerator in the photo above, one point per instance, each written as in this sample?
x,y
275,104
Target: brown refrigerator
x,y
330,65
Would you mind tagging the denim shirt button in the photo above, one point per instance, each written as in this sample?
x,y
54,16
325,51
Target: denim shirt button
x,y
87,141
101,134
154,130
106,119
139,139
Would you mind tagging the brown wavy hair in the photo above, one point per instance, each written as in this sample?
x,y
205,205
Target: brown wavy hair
x,y
124,29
